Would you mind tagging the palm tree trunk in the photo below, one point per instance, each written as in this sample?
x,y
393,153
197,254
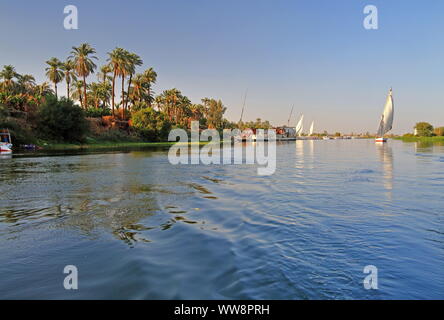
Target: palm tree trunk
x,y
129,85
122,102
55,87
113,93
84,92
149,96
67,88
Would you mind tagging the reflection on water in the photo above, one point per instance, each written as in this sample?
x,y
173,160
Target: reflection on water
x,y
427,146
386,158
138,227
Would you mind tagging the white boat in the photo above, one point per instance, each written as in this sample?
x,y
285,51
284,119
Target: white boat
x,y
311,128
385,125
246,135
5,142
300,126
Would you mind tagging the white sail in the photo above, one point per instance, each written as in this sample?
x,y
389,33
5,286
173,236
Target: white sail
x,y
385,125
312,127
299,126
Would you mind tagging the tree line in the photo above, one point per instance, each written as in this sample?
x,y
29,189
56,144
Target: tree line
x,y
19,93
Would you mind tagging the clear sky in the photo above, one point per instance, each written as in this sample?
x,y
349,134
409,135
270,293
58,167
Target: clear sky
x,y
313,54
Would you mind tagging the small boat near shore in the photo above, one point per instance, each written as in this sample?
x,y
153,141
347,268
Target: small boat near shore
x,y
386,122
5,142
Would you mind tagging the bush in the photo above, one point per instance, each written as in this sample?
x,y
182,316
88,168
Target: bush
x,y
116,135
62,120
151,124
97,112
424,129
4,113
20,134
408,135
139,105
439,131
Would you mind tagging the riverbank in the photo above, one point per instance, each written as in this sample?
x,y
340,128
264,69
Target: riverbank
x,y
421,139
106,145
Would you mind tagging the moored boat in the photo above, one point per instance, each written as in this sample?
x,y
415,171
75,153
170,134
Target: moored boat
x,y
5,142
300,126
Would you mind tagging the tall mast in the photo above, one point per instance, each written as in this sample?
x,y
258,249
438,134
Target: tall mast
x,y
291,112
243,106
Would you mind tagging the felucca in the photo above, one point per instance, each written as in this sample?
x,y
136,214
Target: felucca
x,y
311,128
300,126
385,125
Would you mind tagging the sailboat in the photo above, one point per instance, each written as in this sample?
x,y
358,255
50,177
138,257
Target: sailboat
x,y
300,126
385,125
311,128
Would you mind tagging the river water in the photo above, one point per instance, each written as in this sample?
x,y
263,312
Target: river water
x,y
137,227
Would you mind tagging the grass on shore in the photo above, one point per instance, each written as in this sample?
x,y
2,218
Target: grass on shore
x,y
421,139
106,145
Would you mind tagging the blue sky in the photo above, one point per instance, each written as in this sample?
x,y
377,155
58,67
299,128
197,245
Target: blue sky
x,y
313,54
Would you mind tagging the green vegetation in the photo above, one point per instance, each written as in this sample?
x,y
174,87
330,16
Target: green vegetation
x,y
424,129
96,145
424,132
413,138
152,125
61,120
439,131
92,111
258,124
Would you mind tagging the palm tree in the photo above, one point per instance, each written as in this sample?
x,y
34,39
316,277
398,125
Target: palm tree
x,y
150,77
77,94
215,111
104,71
84,64
104,93
26,83
69,68
94,88
8,74
197,112
43,89
141,89
116,60
169,101
137,88
54,72
133,61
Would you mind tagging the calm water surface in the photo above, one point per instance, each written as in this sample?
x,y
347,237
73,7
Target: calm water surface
x,y
139,228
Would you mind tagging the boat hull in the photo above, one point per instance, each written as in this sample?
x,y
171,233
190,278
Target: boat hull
x,y
381,140
5,148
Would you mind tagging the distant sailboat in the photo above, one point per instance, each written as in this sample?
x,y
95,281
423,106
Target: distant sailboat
x,y
312,128
300,126
243,106
385,125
